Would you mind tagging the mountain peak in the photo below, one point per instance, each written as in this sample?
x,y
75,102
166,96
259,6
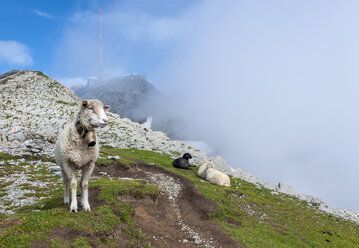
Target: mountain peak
x,y
130,96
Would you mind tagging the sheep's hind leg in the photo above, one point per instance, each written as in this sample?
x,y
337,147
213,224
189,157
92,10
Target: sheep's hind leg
x,y
86,173
66,187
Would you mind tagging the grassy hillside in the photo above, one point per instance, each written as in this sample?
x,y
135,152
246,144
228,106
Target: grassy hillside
x,y
50,224
260,218
256,217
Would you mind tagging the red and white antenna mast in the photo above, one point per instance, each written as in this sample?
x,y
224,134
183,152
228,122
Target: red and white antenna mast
x,y
100,62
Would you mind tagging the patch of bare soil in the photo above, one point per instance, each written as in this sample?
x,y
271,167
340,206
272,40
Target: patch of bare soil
x,y
9,222
179,217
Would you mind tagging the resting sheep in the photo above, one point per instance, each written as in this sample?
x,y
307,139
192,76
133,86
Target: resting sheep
x,y
182,163
212,175
77,148
203,168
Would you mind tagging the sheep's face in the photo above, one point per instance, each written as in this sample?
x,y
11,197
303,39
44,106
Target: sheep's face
x,y
187,156
96,112
209,165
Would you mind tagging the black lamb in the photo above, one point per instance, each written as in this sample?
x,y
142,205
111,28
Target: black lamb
x,y
182,163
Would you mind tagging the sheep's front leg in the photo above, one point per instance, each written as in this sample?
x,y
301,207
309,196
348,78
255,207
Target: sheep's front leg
x,y
72,178
86,174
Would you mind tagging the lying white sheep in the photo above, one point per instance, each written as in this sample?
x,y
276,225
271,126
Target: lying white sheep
x,y
212,175
203,168
77,148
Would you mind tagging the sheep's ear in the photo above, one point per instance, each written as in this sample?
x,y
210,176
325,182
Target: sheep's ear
x,y
106,108
84,104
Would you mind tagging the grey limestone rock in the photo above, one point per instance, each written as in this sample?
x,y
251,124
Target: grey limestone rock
x,y
54,168
113,157
58,173
286,188
17,136
7,74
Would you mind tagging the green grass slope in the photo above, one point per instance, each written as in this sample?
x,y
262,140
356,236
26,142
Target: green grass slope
x,y
254,216
52,225
257,217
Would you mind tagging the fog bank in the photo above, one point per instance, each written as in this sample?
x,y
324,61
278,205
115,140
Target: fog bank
x,y
273,87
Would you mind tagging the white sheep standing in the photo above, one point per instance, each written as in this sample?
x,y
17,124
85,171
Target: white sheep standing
x,y
77,148
212,175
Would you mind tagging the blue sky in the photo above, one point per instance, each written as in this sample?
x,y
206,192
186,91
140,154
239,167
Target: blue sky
x,y
36,25
273,86
39,34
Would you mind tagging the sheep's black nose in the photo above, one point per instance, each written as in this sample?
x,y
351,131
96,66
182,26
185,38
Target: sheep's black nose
x,y
92,143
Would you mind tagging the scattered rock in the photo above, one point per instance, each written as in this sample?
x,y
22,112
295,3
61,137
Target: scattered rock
x,y
54,168
15,193
34,150
127,178
12,162
102,173
17,136
286,188
113,157
49,163
58,173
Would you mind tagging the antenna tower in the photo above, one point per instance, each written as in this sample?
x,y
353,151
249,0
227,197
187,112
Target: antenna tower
x,y
100,62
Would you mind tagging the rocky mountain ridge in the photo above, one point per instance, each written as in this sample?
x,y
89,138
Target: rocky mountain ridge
x,y
34,108
131,96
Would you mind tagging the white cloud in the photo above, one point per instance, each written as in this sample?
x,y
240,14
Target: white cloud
x,y
14,53
43,14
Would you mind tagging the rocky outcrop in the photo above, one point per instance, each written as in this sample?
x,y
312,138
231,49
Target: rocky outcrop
x,y
286,188
9,73
35,108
